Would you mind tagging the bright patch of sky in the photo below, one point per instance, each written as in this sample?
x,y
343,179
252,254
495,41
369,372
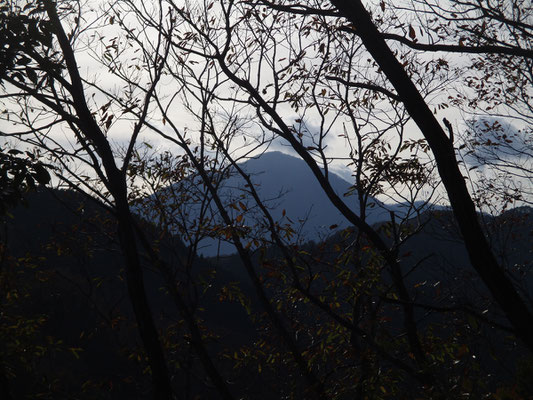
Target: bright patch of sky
x,y
106,52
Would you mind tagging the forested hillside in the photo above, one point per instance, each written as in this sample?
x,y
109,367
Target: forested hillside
x,y
68,329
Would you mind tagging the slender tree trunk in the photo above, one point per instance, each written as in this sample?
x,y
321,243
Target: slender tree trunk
x,y
479,251
196,335
116,184
134,279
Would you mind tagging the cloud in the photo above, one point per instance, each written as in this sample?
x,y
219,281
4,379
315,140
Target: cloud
x,y
281,145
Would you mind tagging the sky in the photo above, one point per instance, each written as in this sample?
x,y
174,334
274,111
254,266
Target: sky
x,y
119,132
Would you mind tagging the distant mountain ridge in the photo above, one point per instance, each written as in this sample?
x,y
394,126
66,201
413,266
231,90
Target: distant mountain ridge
x,y
292,193
291,190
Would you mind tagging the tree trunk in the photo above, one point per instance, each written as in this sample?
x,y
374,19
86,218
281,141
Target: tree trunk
x,y
137,294
116,184
480,254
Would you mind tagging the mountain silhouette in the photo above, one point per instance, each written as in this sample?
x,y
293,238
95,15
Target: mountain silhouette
x,y
288,189
293,195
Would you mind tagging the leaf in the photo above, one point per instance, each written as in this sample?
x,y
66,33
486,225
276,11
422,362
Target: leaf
x,y
382,5
41,174
31,74
412,33
23,60
75,351
463,350
109,121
